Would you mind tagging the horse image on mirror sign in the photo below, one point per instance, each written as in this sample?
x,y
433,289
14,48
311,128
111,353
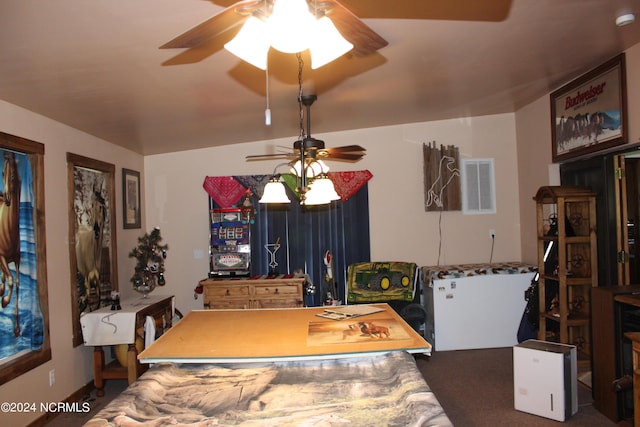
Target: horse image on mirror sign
x,y
10,233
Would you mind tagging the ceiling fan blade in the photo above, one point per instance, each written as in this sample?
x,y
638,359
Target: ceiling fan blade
x,y
365,41
271,156
453,10
217,24
349,157
345,148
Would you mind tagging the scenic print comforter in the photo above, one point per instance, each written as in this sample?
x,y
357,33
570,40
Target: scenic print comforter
x,y
381,390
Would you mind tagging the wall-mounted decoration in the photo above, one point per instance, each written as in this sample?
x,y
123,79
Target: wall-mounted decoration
x,y
24,336
590,113
131,211
92,236
441,178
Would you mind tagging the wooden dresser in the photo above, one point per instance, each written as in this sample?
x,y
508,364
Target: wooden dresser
x,y
277,292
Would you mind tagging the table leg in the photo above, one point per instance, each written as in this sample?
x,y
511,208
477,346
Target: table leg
x,y
98,368
133,367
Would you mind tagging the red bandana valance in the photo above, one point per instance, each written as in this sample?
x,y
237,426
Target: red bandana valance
x,y
225,190
349,183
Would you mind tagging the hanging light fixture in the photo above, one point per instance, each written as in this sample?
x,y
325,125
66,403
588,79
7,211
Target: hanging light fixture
x,y
321,191
290,28
274,191
251,43
313,184
327,43
314,169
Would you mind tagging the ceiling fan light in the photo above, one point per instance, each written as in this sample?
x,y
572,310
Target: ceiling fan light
x,y
274,192
327,43
321,192
314,168
251,43
289,25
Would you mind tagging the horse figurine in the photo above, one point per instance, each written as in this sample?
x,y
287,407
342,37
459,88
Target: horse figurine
x,y
10,231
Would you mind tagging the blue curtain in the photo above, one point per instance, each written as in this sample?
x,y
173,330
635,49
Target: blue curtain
x,y
306,233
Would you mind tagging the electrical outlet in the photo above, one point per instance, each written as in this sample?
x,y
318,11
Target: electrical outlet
x,y
492,233
52,377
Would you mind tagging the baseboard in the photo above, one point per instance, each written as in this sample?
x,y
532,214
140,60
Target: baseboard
x,y
74,397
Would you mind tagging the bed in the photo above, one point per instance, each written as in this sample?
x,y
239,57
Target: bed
x,y
357,380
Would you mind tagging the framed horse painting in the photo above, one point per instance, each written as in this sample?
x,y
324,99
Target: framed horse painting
x,y
92,236
24,312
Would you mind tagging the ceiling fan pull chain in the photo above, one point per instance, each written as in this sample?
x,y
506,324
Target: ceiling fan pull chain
x,y
267,111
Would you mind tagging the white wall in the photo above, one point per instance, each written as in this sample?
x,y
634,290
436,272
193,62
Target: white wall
x,y
400,228
73,366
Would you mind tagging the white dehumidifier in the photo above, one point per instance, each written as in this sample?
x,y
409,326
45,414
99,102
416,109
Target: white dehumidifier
x,y
545,379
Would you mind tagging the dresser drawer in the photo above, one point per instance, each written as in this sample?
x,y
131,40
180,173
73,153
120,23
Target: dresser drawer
x,y
215,292
275,290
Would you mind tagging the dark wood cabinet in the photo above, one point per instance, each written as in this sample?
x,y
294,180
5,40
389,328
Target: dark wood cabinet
x,y
611,350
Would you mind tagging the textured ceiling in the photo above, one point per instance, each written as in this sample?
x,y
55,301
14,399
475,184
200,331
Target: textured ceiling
x,y
96,66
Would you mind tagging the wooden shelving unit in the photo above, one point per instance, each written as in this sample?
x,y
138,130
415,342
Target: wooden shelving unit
x,y
567,261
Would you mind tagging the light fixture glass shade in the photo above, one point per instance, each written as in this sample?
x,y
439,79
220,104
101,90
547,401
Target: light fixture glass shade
x,y
251,43
321,191
290,26
327,43
314,169
274,192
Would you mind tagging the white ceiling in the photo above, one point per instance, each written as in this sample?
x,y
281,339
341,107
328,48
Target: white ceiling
x,y
96,66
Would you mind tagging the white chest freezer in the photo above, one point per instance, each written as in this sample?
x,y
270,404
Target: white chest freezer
x,y
473,312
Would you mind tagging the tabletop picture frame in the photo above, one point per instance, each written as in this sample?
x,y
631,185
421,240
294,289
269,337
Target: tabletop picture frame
x,y
589,114
131,211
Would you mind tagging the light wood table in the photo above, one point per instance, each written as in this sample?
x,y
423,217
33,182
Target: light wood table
x,y
232,336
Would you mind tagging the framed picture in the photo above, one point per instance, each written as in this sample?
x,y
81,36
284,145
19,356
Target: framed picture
x,y
589,114
24,336
92,236
131,198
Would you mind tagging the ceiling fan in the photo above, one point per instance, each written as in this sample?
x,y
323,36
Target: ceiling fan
x,y
347,19
308,149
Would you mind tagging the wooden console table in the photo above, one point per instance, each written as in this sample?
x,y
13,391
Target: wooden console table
x,y
113,327
262,292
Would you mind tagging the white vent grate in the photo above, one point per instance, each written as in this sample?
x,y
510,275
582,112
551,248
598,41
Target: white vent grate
x,y
478,187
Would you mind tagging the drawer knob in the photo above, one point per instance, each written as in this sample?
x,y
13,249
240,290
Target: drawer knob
x,y
228,293
276,292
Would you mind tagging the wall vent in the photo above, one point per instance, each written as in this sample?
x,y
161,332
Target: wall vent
x,y
478,187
